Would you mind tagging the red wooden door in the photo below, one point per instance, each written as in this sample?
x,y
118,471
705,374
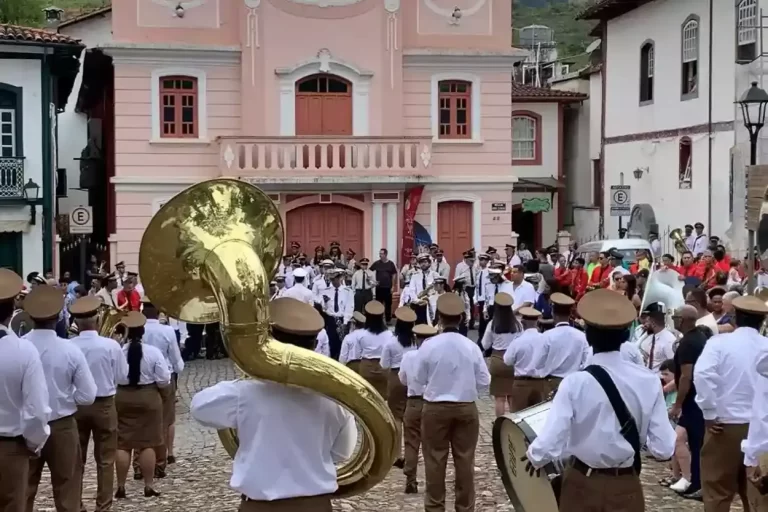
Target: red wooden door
x,y
454,223
321,224
323,106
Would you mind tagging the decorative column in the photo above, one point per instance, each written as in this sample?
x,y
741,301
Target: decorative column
x,y
563,242
377,229
57,257
251,70
513,236
112,250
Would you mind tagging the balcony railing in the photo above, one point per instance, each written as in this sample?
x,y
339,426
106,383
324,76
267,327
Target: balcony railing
x,y
11,177
303,155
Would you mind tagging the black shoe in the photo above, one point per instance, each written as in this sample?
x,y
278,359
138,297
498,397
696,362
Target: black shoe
x,y
171,459
399,463
412,488
693,495
120,494
150,493
159,473
137,475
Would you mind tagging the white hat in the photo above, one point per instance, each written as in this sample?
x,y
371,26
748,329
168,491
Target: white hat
x,y
327,262
299,272
494,271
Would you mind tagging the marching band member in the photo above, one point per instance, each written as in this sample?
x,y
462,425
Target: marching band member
x,y
439,284
440,266
140,405
413,407
107,365
70,384
299,291
466,271
363,283
407,271
370,345
452,371
526,357
566,349
120,274
337,306
504,329
285,265
421,282
317,427
496,285
24,402
583,422
755,447
512,259
724,379
458,289
280,288
349,354
323,281
108,291
658,346
391,357
482,279
163,338
323,346
308,268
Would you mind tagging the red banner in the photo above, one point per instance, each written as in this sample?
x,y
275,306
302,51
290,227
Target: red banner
x,y
410,205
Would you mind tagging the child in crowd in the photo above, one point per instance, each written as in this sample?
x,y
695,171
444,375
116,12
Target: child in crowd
x,y
681,460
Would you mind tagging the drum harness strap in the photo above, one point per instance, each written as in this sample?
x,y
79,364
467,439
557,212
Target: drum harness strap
x,y
629,430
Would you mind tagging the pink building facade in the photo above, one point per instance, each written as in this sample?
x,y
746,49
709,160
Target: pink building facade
x,y
337,108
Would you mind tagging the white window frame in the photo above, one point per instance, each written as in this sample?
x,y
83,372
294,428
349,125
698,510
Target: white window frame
x,y
202,105
651,59
691,41
746,22
532,140
13,131
475,114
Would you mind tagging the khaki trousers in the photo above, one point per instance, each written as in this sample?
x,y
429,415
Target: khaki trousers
x,y
757,502
454,426
62,455
527,392
305,504
412,437
600,493
722,468
14,472
100,420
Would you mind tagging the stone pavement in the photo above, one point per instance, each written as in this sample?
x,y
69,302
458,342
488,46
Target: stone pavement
x,y
198,481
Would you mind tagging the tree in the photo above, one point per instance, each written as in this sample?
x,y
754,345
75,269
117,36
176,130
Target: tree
x,y
22,12
571,35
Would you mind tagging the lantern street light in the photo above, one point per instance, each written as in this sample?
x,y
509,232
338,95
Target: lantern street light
x,y
31,192
753,108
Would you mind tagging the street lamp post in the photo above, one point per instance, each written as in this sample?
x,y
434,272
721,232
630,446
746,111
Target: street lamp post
x,y
753,108
31,191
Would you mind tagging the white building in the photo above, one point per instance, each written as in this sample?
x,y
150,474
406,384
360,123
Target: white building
x,y
37,69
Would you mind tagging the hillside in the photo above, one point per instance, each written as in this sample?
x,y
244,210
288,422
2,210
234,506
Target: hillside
x,y
30,12
572,36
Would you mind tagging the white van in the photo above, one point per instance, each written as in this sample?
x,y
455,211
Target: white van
x,y
626,246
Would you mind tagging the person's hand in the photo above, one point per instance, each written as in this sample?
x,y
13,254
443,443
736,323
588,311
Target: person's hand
x,y
485,315
681,278
714,426
754,474
529,467
675,411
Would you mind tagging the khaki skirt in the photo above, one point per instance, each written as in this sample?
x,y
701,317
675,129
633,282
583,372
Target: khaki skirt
x,y
139,417
354,365
168,395
502,376
397,394
371,370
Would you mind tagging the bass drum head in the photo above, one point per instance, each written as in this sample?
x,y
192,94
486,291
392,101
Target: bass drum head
x,y
527,493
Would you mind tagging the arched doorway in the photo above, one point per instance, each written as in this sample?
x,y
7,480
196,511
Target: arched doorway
x,y
321,224
323,106
454,223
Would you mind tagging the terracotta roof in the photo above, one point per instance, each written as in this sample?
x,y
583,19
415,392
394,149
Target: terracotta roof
x,y
609,9
521,92
16,34
76,16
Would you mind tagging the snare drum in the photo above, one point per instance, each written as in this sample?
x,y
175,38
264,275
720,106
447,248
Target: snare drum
x,y
512,434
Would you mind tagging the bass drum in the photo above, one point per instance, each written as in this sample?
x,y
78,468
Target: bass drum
x,y
512,434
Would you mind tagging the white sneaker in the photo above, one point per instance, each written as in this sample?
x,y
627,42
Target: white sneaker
x,y
680,486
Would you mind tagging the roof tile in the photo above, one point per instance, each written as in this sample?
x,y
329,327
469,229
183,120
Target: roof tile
x,y
530,92
17,34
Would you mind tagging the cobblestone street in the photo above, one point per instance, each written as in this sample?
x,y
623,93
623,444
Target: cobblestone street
x,y
198,481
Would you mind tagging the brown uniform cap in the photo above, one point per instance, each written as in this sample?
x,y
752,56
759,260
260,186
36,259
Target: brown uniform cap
x,y
10,284
85,307
405,314
359,317
562,299
134,319
44,302
750,304
374,308
424,330
450,304
295,317
607,309
529,313
504,300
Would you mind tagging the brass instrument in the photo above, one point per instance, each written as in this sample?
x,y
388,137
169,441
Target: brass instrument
x,y
207,256
763,295
423,296
109,319
679,242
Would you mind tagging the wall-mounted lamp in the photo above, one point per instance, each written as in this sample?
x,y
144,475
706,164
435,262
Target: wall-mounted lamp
x,y
638,173
455,16
31,192
179,11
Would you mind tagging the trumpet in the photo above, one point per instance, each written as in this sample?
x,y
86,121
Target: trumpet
x,y
422,297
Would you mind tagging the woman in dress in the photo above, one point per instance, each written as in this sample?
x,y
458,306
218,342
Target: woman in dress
x,y
391,357
139,406
371,344
503,329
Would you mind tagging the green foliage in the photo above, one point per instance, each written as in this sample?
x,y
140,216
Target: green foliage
x,y
30,12
572,36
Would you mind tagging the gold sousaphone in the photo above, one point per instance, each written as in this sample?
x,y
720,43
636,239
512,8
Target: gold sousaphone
x,y
208,256
676,235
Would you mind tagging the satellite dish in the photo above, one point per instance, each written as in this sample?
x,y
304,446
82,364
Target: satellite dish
x,y
594,45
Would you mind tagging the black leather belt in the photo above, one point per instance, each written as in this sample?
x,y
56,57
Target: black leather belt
x,y
14,439
524,377
587,470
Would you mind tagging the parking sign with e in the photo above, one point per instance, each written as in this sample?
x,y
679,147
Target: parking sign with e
x,y
81,220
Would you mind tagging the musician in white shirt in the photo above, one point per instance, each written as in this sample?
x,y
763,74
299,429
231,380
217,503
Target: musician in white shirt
x,y
421,281
299,290
363,284
70,384
24,402
504,328
280,288
482,281
725,377
659,345
108,291
323,280
466,270
370,345
349,354
452,371
755,447
407,271
316,427
566,349
163,338
338,307
413,407
583,423
323,346
512,258
496,285
107,365
526,356
440,266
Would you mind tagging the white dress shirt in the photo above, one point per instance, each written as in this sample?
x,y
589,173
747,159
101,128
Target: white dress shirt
x,y
300,293
163,338
756,443
370,345
392,354
522,293
290,437
153,368
709,321
350,347
109,299
346,302
323,344
418,279
662,344
724,375
363,280
565,350
465,272
582,422
494,289
628,351
482,282
105,360
697,244
514,260
319,286
24,400
67,375
451,368
406,272
498,341
443,269
527,354
407,373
